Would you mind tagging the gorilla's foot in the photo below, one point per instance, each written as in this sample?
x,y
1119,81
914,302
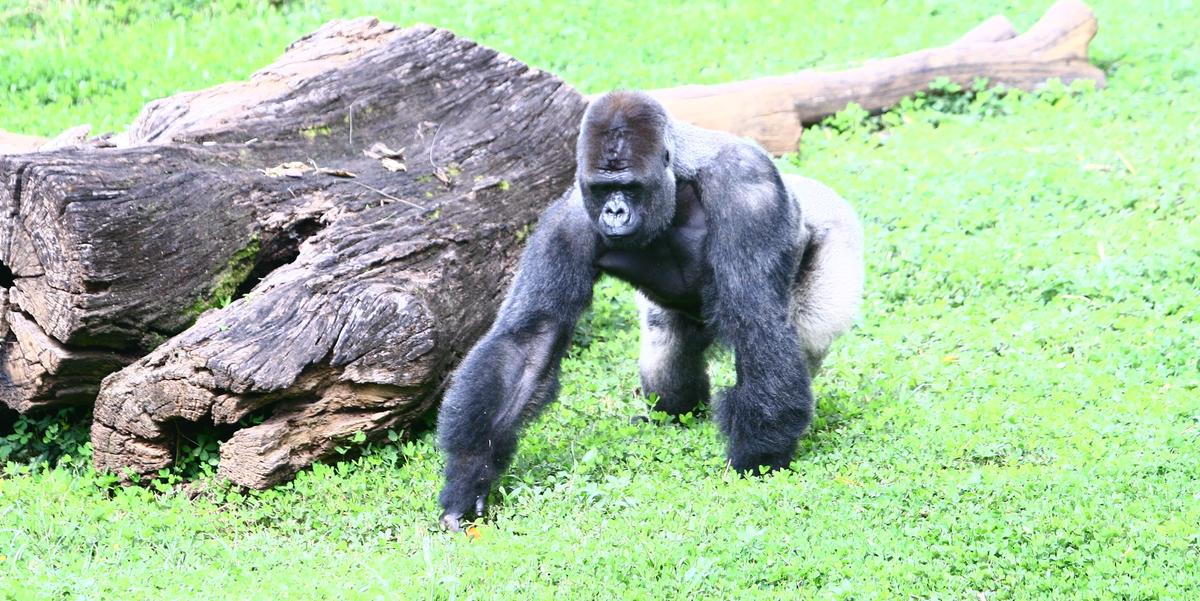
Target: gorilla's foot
x,y
452,520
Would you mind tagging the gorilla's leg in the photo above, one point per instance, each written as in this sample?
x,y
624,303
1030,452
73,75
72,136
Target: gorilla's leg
x,y
672,358
764,422
829,283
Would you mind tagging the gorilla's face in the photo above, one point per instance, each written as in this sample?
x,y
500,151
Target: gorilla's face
x,y
630,207
624,169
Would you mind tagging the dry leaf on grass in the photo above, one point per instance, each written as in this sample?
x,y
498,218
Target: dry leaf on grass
x,y
336,172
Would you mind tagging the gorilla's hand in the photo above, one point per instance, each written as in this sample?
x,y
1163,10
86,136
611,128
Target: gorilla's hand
x,y
762,433
468,480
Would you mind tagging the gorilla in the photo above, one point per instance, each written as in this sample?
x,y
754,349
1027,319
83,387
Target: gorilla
x,y
720,246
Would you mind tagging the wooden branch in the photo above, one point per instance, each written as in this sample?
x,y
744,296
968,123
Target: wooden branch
x,y
773,110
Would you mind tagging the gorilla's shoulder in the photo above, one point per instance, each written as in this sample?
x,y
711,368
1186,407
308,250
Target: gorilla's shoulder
x,y
566,220
741,187
742,159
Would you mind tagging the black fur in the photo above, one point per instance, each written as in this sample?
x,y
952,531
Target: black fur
x,y
703,224
675,373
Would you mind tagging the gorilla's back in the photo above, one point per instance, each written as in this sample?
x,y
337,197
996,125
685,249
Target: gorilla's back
x,y
828,289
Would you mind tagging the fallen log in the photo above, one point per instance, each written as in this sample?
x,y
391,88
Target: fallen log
x,y
113,251
774,110
110,251
377,179
412,248
105,253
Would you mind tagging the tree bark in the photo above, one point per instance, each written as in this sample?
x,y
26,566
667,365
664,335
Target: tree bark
x,y
774,110
379,180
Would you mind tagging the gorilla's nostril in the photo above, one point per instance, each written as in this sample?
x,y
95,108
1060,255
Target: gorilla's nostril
x,y
616,214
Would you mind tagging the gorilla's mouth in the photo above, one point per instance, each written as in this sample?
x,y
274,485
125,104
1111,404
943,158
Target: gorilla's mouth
x,y
620,233
626,238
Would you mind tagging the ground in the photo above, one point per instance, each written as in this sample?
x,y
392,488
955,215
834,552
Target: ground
x,y
1016,416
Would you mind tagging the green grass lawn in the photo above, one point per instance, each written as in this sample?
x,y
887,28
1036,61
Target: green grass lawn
x,y
1017,416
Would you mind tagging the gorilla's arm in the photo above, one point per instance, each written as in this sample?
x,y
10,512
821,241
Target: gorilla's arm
x,y
752,253
513,371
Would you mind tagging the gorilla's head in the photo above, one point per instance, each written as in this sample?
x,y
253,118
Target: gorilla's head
x,y
624,168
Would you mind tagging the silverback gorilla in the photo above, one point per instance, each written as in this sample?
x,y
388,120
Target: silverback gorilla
x,y
720,247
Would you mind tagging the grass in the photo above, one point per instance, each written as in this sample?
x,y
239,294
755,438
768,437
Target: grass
x,y
1017,415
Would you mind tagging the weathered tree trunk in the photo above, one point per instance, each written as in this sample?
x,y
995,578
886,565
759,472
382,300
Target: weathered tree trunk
x,y
774,110
111,251
377,179
107,252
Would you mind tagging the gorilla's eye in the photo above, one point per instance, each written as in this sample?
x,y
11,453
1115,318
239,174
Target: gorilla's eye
x,y
666,157
628,187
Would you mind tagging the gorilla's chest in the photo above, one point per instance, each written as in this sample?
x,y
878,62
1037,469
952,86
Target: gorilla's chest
x,y
670,271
